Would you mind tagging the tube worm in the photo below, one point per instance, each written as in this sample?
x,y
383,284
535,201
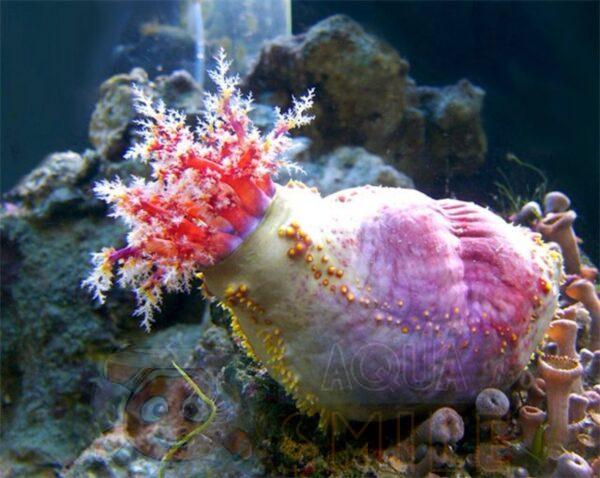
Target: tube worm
x,y
530,419
555,202
593,397
536,394
573,466
585,356
584,292
528,215
558,228
589,273
415,301
559,373
578,434
580,315
492,403
564,333
577,407
444,427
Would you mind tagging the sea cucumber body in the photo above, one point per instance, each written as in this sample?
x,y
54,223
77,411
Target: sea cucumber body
x,y
380,300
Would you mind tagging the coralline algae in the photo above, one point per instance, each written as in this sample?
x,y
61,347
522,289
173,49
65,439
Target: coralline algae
x,y
371,300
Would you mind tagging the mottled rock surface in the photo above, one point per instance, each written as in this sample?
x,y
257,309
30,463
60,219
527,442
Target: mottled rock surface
x,y
50,336
453,125
57,172
345,167
113,120
365,97
142,434
359,81
179,91
54,337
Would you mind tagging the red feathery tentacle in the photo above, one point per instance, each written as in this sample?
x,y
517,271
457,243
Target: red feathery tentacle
x,y
209,190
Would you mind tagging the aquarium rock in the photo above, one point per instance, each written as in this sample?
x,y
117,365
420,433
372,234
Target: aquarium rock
x,y
51,339
453,125
114,114
136,442
54,341
58,170
366,98
180,91
346,167
360,80
113,118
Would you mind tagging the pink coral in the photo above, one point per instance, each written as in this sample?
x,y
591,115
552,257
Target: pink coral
x,y
368,300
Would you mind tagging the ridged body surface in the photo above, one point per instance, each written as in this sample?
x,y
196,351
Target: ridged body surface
x,y
379,300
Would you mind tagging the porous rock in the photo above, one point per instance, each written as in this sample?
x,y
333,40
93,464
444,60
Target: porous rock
x,y
113,120
364,97
180,91
345,167
359,81
57,170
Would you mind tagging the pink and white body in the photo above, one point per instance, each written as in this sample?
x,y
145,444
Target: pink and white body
x,y
369,301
